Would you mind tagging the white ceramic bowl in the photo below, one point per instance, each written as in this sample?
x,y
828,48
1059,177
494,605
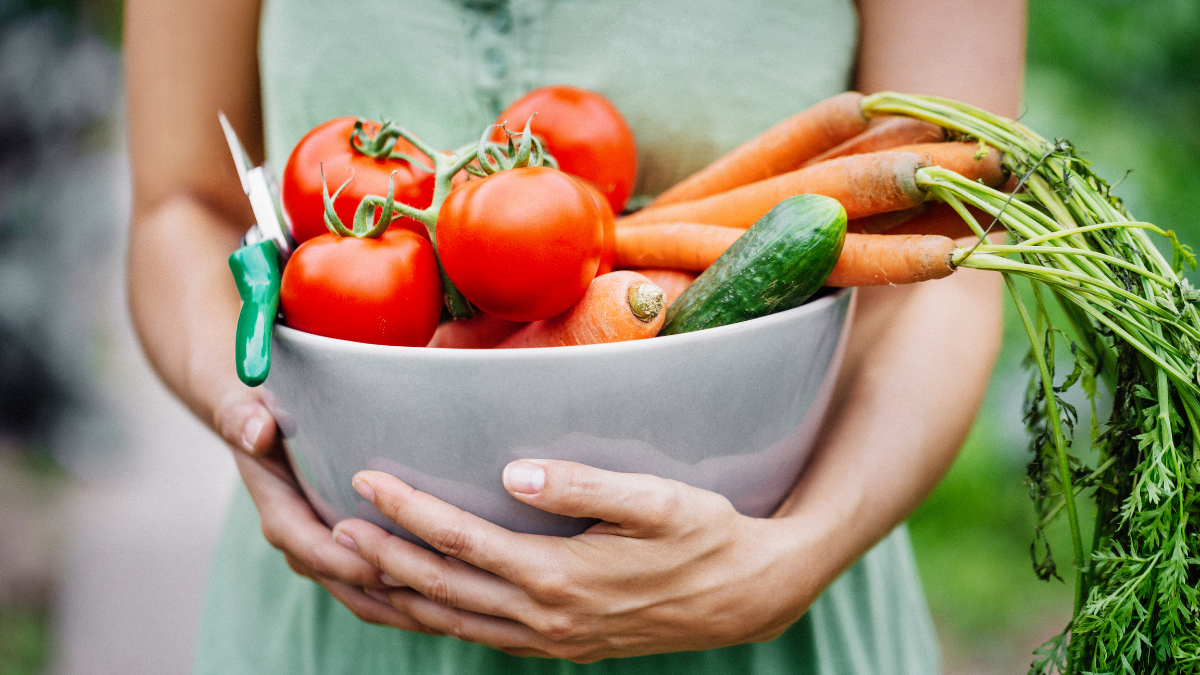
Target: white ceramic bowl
x,y
734,410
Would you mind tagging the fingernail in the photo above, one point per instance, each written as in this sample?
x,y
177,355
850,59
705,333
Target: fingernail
x,y
345,541
387,580
377,594
524,478
364,489
251,431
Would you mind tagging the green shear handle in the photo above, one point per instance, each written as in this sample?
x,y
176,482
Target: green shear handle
x,y
256,271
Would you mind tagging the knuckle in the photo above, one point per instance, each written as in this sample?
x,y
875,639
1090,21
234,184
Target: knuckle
x,y
552,589
452,540
272,534
296,566
437,588
560,628
665,503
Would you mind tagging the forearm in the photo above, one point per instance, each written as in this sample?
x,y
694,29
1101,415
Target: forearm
x,y
183,299
919,356
184,61
918,363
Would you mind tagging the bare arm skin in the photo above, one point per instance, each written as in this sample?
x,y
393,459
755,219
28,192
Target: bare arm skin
x,y
184,61
673,567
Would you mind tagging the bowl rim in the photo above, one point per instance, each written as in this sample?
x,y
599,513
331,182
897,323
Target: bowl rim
x,y
284,334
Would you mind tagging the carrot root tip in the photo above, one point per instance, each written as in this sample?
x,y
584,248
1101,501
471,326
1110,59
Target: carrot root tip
x,y
646,301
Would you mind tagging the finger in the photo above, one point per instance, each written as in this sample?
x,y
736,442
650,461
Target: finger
x,y
446,581
455,532
289,524
298,567
244,422
633,500
468,626
371,610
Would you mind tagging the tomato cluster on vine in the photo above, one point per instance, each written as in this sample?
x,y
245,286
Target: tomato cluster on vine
x,y
520,239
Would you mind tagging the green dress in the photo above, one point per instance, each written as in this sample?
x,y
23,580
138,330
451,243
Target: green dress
x,y
694,79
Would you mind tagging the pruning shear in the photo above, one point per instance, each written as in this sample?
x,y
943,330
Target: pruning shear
x,y
257,263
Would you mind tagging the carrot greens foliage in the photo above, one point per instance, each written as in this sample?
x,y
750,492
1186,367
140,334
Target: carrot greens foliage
x,y
1133,323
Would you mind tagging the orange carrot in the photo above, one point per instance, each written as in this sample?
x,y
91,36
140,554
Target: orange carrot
x,y
482,331
781,148
617,306
672,282
883,222
1010,185
962,158
943,220
678,246
883,259
884,133
867,184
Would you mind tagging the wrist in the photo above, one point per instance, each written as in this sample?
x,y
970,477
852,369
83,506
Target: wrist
x,y
819,539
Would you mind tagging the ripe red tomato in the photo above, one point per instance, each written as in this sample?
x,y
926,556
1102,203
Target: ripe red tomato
x,y
328,144
586,134
608,250
522,244
384,291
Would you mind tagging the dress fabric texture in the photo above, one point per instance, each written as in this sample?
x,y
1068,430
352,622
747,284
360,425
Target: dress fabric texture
x,y
694,79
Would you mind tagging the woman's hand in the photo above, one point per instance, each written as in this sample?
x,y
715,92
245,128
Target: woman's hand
x,y
188,213
289,523
670,568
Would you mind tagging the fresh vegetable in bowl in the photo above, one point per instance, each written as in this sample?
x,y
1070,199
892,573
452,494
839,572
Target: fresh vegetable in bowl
x,y
617,307
584,132
776,265
521,244
364,155
367,284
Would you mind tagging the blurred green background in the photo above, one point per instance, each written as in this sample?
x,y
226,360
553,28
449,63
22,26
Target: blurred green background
x,y
1119,78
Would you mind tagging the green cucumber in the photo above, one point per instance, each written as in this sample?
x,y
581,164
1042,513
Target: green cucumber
x,y
780,261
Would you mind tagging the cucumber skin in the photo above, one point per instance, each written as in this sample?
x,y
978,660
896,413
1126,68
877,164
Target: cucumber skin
x,y
782,260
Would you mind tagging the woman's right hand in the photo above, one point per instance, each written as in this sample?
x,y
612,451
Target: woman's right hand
x,y
188,212
290,524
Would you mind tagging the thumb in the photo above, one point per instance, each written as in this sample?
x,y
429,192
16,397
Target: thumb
x,y
571,489
244,422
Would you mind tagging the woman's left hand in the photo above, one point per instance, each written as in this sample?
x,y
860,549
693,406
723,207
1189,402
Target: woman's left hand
x,y
670,568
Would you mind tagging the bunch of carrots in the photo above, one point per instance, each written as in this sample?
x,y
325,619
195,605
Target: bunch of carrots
x,y
831,149
896,235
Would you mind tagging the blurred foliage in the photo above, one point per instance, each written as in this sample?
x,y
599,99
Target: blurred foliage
x,y
32,394
1121,80
101,18
24,640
